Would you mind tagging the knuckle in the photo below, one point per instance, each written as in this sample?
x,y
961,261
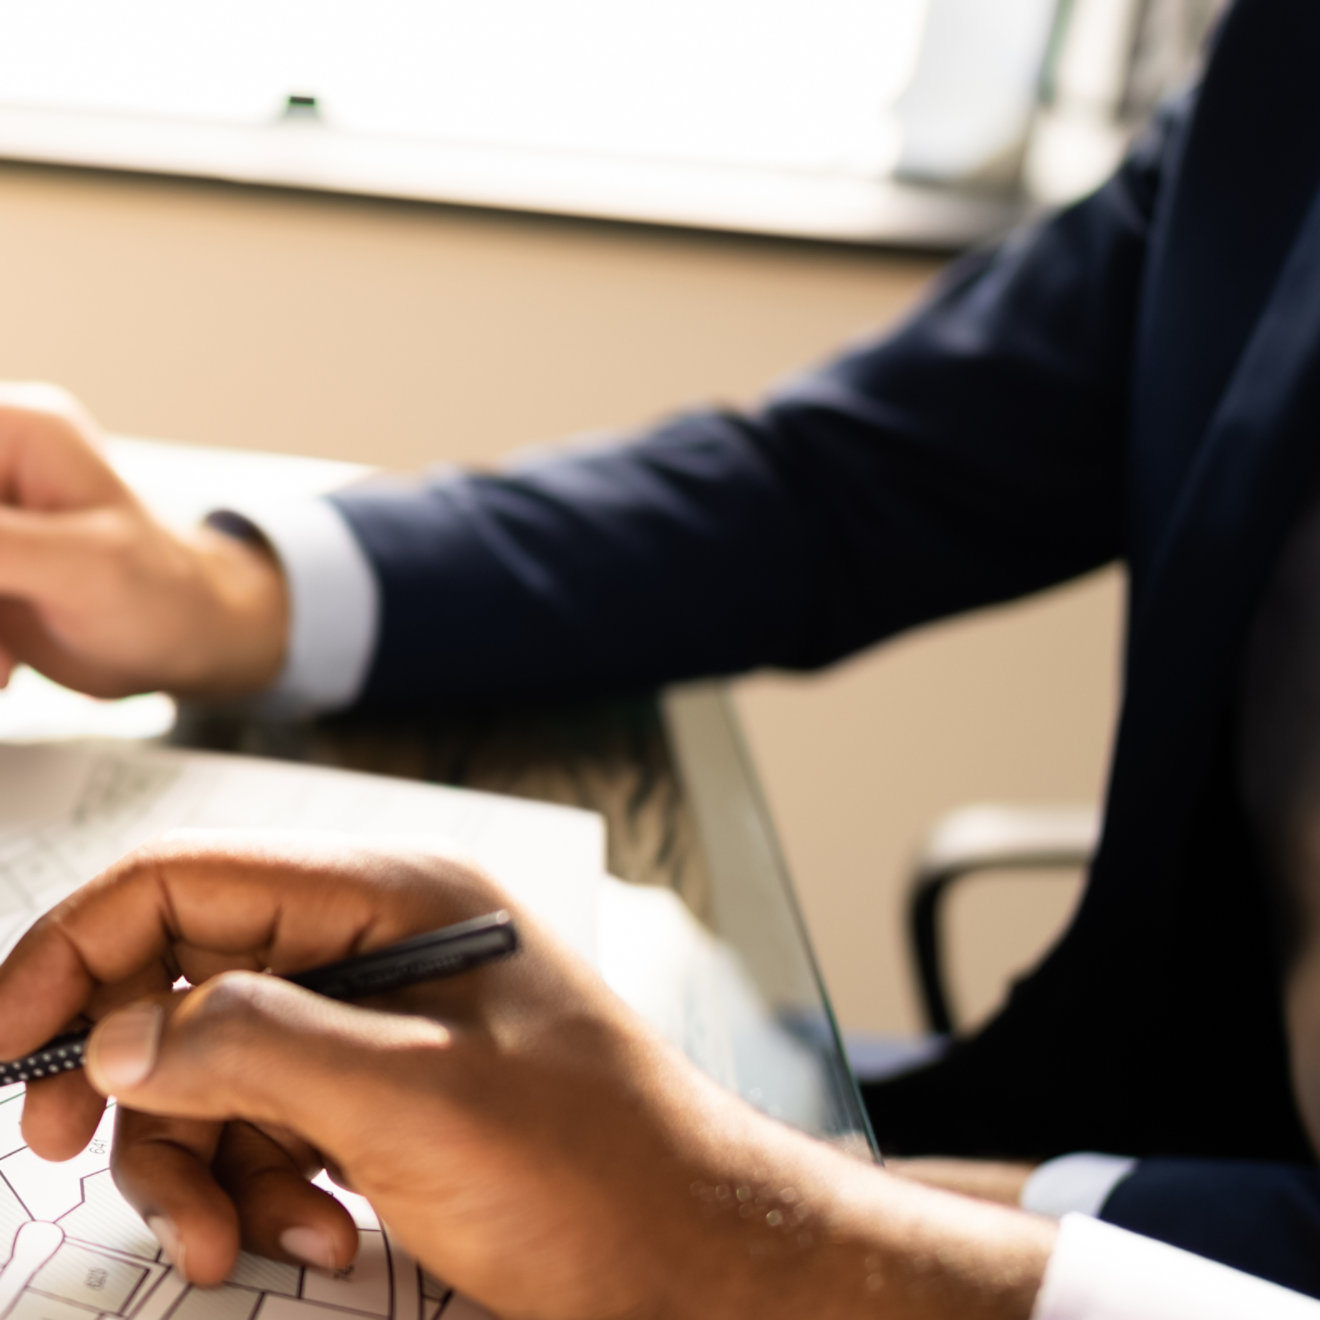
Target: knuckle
x,y
146,858
176,841
169,848
462,879
230,997
228,1012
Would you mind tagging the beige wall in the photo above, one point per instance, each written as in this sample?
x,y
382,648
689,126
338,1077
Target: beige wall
x,y
398,335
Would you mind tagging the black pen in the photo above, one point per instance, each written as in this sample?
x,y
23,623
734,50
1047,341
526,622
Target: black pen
x,y
439,953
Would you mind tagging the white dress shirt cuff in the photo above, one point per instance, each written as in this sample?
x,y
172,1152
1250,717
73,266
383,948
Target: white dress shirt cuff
x,y
1075,1183
1100,1272
334,601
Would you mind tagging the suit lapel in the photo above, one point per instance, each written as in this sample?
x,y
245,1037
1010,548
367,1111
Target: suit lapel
x,y
1237,498
1229,211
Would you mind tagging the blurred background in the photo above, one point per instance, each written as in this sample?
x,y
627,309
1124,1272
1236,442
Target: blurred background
x,y
400,232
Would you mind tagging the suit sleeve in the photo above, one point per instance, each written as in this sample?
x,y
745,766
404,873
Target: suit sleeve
x,y
975,455
1262,1219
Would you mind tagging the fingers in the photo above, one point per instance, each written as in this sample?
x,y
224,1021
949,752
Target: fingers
x,y
287,902
257,1048
280,1213
250,1047
60,1115
207,1190
162,1167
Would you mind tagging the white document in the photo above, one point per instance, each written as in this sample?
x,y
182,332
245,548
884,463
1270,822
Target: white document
x,y
68,810
73,1248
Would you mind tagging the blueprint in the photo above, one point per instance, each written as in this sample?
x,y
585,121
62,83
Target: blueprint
x,y
71,1247
74,1250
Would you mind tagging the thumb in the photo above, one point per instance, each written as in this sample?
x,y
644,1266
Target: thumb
x,y
244,1045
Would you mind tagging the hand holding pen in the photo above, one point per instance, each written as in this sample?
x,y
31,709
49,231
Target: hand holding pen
x,y
516,1126
433,956
465,1108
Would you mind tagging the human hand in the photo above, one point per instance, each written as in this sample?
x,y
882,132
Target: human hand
x,y
99,595
517,1128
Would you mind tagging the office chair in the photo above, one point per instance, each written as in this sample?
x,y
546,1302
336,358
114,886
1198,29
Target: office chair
x,y
972,841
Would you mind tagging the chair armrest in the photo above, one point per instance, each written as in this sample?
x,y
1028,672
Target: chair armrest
x,y
978,839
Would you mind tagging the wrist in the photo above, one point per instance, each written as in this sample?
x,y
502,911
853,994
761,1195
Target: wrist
x,y
792,1226
245,636
928,1254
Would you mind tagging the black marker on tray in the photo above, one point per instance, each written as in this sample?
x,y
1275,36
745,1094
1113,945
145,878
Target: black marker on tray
x,y
448,951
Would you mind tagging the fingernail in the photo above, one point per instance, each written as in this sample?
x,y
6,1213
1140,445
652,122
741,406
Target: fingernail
x,y
167,1235
309,1245
122,1050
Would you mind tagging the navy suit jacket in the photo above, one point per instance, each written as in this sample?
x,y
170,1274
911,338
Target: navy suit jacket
x,y
1136,378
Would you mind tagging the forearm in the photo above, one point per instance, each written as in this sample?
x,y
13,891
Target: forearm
x,y
884,1246
906,1252
789,1226
926,1253
987,1180
719,545
675,555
